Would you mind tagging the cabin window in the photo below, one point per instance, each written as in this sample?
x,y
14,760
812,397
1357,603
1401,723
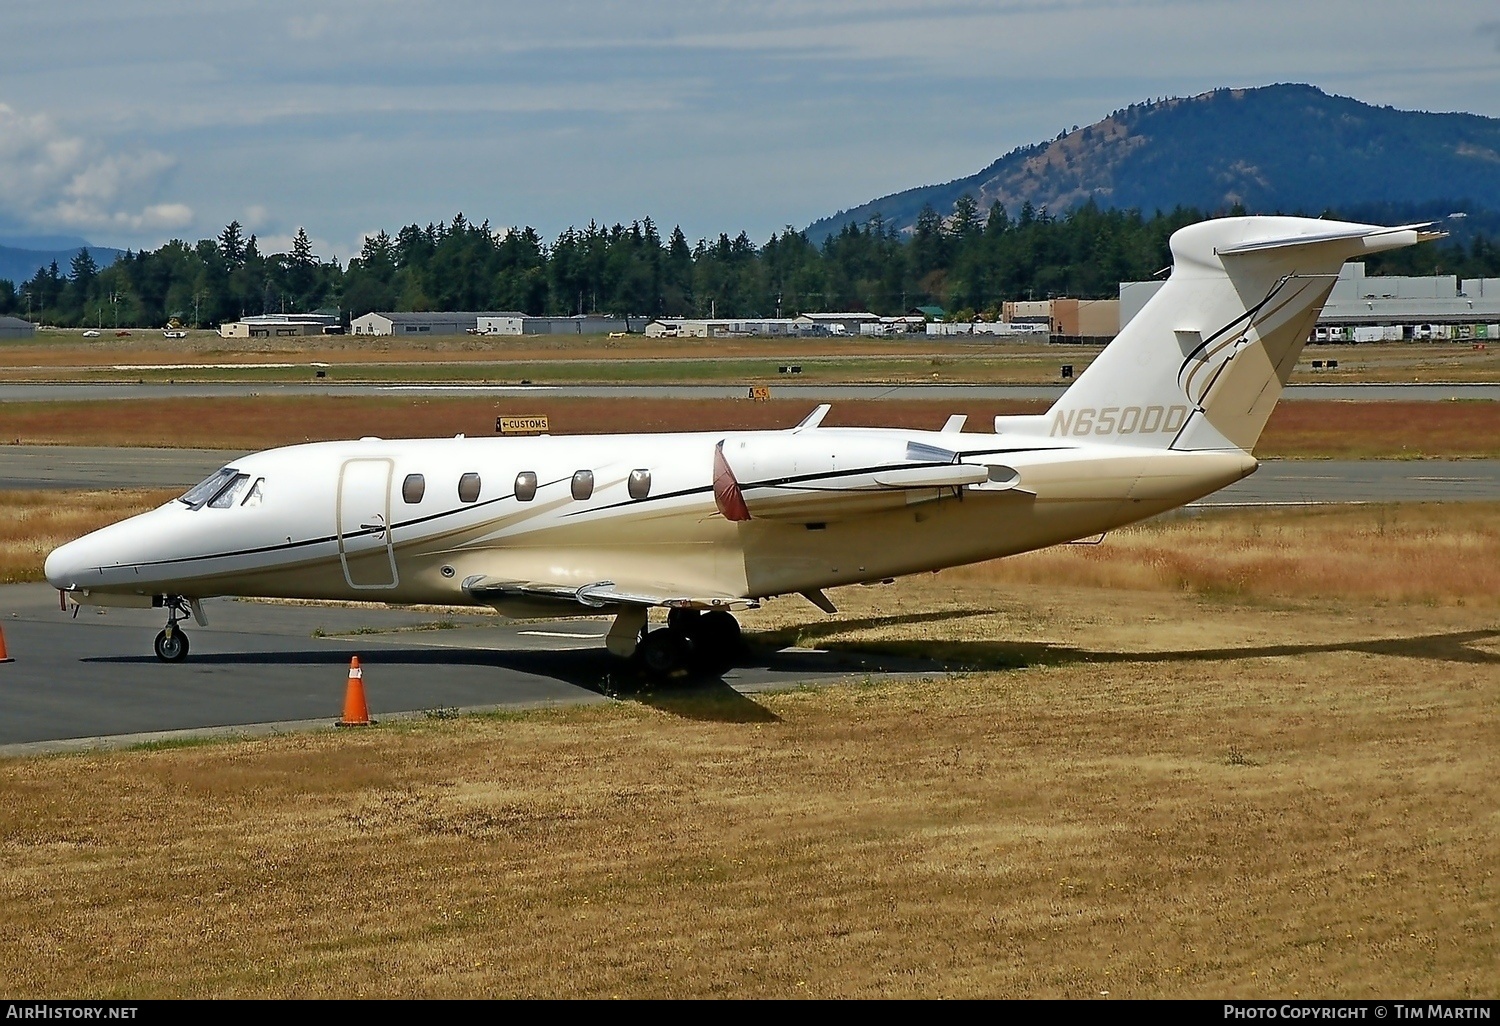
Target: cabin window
x,y
254,497
230,493
413,488
468,488
583,484
525,486
640,484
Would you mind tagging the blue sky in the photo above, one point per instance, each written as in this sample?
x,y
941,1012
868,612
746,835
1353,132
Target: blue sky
x,y
132,123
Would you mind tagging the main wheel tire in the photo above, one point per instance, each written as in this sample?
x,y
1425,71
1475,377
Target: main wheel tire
x,y
720,631
684,620
172,648
664,652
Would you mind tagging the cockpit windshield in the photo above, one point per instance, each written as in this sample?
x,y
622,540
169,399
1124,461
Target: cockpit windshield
x,y
220,491
206,489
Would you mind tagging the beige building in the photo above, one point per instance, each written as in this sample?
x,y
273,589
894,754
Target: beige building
x,y
1075,318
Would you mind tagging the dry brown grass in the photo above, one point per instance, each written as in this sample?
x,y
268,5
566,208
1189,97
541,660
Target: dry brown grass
x,y
33,523
257,423
68,349
1344,430
1408,552
1381,430
1171,799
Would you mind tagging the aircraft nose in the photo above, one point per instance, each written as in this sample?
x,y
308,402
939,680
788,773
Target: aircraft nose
x,y
65,563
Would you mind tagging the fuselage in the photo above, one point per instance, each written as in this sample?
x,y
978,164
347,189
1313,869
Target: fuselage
x,y
415,521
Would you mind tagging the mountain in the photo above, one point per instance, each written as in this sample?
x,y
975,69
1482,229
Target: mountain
x,y
18,264
1278,148
47,242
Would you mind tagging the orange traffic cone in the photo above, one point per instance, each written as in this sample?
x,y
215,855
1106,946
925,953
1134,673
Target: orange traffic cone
x,y
356,713
4,655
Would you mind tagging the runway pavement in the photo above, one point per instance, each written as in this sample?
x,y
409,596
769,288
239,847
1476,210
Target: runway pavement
x,y
263,667
1277,481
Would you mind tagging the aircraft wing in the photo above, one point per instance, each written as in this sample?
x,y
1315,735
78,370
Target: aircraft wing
x,y
596,595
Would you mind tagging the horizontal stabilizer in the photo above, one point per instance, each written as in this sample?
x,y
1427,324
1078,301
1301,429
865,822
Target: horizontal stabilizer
x,y
1373,238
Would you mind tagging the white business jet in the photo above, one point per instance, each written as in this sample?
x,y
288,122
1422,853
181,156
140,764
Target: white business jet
x,y
706,523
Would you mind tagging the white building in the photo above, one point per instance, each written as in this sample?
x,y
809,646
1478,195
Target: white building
x,y
1364,308
586,324
281,326
847,323
732,327
992,329
444,323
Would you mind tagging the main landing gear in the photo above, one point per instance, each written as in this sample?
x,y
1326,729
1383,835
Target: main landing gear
x,y
693,642
172,643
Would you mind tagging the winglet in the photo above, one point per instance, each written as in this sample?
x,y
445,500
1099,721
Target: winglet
x,y
813,419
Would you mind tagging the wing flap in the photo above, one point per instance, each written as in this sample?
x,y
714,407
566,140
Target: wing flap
x,y
596,595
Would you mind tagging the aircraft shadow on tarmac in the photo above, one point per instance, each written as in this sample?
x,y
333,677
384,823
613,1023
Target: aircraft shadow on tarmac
x,y
713,698
698,696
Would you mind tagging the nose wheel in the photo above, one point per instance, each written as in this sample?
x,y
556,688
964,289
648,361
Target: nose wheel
x,y
172,643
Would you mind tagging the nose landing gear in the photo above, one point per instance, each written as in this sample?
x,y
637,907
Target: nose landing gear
x,y
172,643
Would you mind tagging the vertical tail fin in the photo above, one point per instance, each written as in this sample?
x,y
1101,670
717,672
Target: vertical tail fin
x,y
1204,362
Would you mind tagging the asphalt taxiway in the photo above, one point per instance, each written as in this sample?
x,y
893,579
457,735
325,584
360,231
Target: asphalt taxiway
x,y
92,681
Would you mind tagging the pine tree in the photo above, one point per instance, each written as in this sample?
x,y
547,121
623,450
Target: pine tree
x,y
232,244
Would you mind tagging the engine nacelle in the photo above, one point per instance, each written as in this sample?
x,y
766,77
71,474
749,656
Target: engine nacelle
x,y
819,475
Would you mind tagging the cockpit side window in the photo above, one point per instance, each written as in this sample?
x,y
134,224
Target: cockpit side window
x,y
198,495
256,495
230,493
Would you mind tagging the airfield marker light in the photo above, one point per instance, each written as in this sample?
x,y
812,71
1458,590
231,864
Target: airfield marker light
x,y
356,712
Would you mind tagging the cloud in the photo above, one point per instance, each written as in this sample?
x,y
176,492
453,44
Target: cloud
x,y
49,179
308,28
1491,28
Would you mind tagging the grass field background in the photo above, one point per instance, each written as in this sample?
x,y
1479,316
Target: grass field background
x,y
1304,429
65,355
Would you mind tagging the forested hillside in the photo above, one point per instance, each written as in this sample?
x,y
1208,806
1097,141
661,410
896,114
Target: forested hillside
x,y
1280,148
